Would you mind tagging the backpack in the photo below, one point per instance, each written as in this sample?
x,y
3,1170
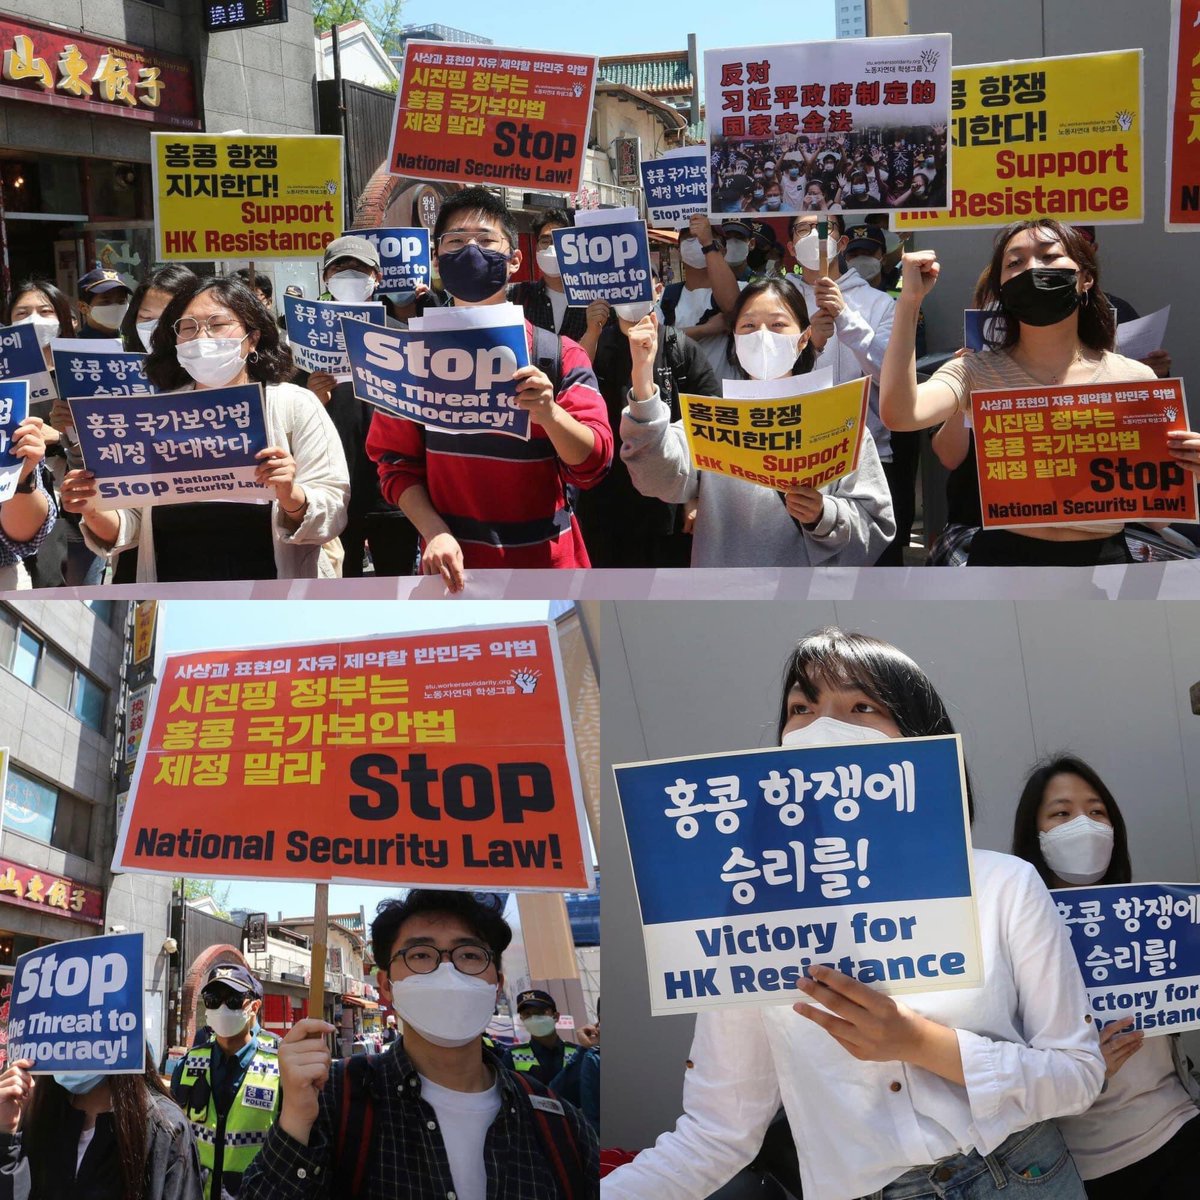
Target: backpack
x,y
356,1125
547,355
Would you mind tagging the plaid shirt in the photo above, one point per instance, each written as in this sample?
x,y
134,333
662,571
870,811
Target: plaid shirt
x,y
534,298
12,552
407,1156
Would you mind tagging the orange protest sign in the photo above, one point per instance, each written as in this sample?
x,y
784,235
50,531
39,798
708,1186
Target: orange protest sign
x,y
1183,116
1064,455
491,115
442,759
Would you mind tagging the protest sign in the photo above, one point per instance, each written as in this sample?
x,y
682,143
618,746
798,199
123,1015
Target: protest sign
x,y
185,447
875,107
493,115
778,434
1098,452
440,759
1138,947
95,367
1044,137
21,358
605,255
980,324
404,257
1140,337
457,379
676,187
314,330
79,1006
258,196
751,867
1183,116
14,408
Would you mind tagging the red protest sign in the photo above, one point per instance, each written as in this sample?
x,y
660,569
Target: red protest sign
x,y
1065,455
439,759
1183,114
489,115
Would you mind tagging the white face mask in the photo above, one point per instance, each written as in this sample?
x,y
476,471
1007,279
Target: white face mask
x,y
45,329
146,331
1078,851
808,250
547,259
211,362
226,1022
736,252
540,1026
829,731
351,287
633,313
764,354
869,268
445,1007
108,316
691,254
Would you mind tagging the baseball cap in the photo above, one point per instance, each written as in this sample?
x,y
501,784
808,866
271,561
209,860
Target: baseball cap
x,y
533,996
101,280
737,228
865,237
233,976
351,247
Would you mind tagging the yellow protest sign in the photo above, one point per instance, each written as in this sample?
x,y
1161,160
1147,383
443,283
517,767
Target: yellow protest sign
x,y
1044,137
799,440
259,196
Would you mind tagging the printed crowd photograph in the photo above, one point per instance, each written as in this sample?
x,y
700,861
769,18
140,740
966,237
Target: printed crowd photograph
x,y
290,912
901,901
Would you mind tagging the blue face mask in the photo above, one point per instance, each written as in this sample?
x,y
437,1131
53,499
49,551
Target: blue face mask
x,y
472,274
78,1085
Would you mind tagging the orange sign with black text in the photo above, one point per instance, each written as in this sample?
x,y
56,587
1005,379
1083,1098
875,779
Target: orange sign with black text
x,y
440,759
1065,455
1183,119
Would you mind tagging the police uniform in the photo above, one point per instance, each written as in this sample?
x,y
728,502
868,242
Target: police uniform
x,y
532,1058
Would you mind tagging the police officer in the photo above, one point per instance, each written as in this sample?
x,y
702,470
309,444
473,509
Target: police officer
x,y
545,1054
229,1085
103,302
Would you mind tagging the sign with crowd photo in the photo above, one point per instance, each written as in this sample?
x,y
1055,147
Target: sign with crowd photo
x,y
79,1006
1183,117
314,330
605,255
440,759
14,408
21,358
781,434
1044,137
1138,947
182,448
86,367
404,257
676,186
751,867
450,371
858,124
258,196
493,115
1090,453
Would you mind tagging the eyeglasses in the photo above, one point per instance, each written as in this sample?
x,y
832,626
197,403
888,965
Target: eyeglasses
x,y
424,960
457,239
230,1000
188,328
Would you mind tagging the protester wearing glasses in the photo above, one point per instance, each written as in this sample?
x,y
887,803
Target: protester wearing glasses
x,y
216,334
437,1114
229,1086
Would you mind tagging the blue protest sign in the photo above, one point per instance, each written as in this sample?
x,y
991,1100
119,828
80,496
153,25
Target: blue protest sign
x,y
404,257
751,867
676,187
457,380
1138,947
180,448
14,408
114,373
609,261
21,358
78,1006
980,324
315,333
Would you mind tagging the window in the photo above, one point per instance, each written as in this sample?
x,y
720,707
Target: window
x,y
25,657
90,701
73,826
41,811
55,678
8,636
104,610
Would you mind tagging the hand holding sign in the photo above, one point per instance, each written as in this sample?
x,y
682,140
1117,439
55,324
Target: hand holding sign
x,y
443,556
805,504
277,469
1184,447
304,1063
16,1090
1118,1045
29,444
535,394
829,297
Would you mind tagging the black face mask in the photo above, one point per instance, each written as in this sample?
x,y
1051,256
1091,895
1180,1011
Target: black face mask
x,y
473,274
1041,295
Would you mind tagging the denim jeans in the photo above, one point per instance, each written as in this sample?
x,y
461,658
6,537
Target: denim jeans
x,y
1031,1163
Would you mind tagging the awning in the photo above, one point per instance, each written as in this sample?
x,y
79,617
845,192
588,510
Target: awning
x,y
359,1002
670,236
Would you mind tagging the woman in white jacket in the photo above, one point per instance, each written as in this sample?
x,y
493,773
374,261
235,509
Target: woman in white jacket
x,y
948,1095
214,334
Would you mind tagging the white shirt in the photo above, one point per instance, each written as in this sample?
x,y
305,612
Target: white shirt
x,y
85,1140
1029,1052
1142,1108
465,1118
558,306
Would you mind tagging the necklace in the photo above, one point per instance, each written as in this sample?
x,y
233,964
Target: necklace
x,y
1056,378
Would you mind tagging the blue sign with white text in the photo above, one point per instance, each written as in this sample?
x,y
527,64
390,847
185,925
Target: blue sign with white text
x,y
117,373
14,408
455,380
78,1006
978,325
315,332
181,448
1138,947
604,262
21,358
751,867
404,258
676,188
